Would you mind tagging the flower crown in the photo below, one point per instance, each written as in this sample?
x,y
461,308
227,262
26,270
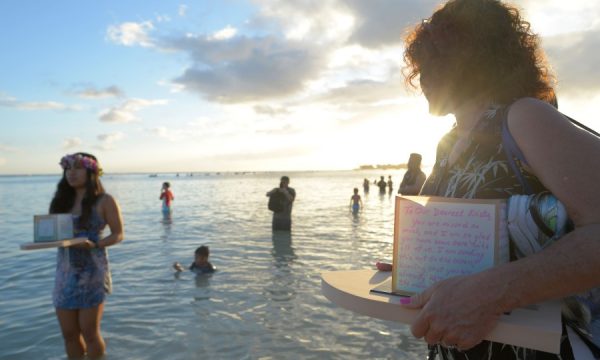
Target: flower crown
x,y
69,161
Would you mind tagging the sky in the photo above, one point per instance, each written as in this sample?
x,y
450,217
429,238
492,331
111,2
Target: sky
x,y
241,85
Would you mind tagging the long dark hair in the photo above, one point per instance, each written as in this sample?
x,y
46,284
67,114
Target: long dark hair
x,y
64,197
480,49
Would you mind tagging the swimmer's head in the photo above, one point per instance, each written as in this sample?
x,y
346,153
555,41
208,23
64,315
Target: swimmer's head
x,y
166,185
201,255
355,191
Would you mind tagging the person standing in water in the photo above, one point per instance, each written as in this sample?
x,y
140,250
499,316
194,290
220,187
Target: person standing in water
x,y
284,196
413,178
82,272
355,201
382,185
167,197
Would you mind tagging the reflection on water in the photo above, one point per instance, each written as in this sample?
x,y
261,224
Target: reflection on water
x,y
282,252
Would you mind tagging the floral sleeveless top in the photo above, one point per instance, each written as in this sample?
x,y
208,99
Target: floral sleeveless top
x,y
82,276
482,172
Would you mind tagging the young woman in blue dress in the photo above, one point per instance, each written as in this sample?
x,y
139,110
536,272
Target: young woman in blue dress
x,y
82,271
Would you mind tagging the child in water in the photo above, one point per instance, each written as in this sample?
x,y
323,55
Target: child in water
x,y
167,197
355,201
200,264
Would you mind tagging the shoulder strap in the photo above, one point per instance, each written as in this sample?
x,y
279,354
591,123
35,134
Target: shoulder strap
x,y
514,155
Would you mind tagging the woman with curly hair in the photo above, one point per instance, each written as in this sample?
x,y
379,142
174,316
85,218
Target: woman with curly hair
x,y
479,60
82,271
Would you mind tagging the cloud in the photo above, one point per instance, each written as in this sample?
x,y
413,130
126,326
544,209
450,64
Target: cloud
x,y
93,93
126,111
287,129
3,161
8,149
322,21
365,91
279,153
131,33
384,22
168,134
11,102
71,143
575,58
107,140
270,110
244,69
182,10
224,34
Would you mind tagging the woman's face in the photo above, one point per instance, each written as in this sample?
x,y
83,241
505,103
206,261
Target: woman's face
x,y
437,94
76,176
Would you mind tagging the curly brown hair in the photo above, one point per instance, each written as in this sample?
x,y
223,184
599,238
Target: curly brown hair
x,y
479,49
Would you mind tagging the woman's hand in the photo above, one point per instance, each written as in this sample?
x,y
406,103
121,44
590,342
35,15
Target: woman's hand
x,y
383,266
88,244
457,312
177,266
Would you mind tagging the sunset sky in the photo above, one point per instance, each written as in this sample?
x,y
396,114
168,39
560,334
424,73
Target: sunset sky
x,y
164,86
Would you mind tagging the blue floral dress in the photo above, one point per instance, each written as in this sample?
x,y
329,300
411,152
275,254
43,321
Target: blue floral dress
x,y
82,276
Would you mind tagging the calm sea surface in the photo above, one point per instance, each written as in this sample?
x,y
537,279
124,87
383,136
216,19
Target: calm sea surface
x,y
265,300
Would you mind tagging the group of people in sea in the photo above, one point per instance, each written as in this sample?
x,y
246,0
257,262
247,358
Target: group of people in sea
x,y
479,61
412,181
411,184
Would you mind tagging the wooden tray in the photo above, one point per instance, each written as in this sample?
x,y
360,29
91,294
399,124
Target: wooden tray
x,y
53,244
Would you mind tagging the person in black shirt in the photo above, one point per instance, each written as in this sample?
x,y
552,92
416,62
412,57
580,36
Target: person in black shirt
x,y
282,220
413,178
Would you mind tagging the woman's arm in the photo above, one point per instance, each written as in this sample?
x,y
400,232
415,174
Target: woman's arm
x,y
566,159
461,310
112,216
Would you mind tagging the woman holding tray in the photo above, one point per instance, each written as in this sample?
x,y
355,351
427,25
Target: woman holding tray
x,y
479,60
82,271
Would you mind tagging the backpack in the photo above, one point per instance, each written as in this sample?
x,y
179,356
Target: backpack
x,y
277,202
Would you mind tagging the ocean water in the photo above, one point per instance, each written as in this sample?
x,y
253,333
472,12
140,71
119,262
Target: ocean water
x,y
265,300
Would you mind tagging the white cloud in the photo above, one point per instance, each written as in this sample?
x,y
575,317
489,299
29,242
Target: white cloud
x,y
71,143
224,34
92,92
270,110
11,102
3,161
8,149
131,33
126,111
163,18
182,10
107,141
168,133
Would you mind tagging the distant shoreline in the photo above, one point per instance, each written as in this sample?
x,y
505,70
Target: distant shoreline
x,y
383,167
